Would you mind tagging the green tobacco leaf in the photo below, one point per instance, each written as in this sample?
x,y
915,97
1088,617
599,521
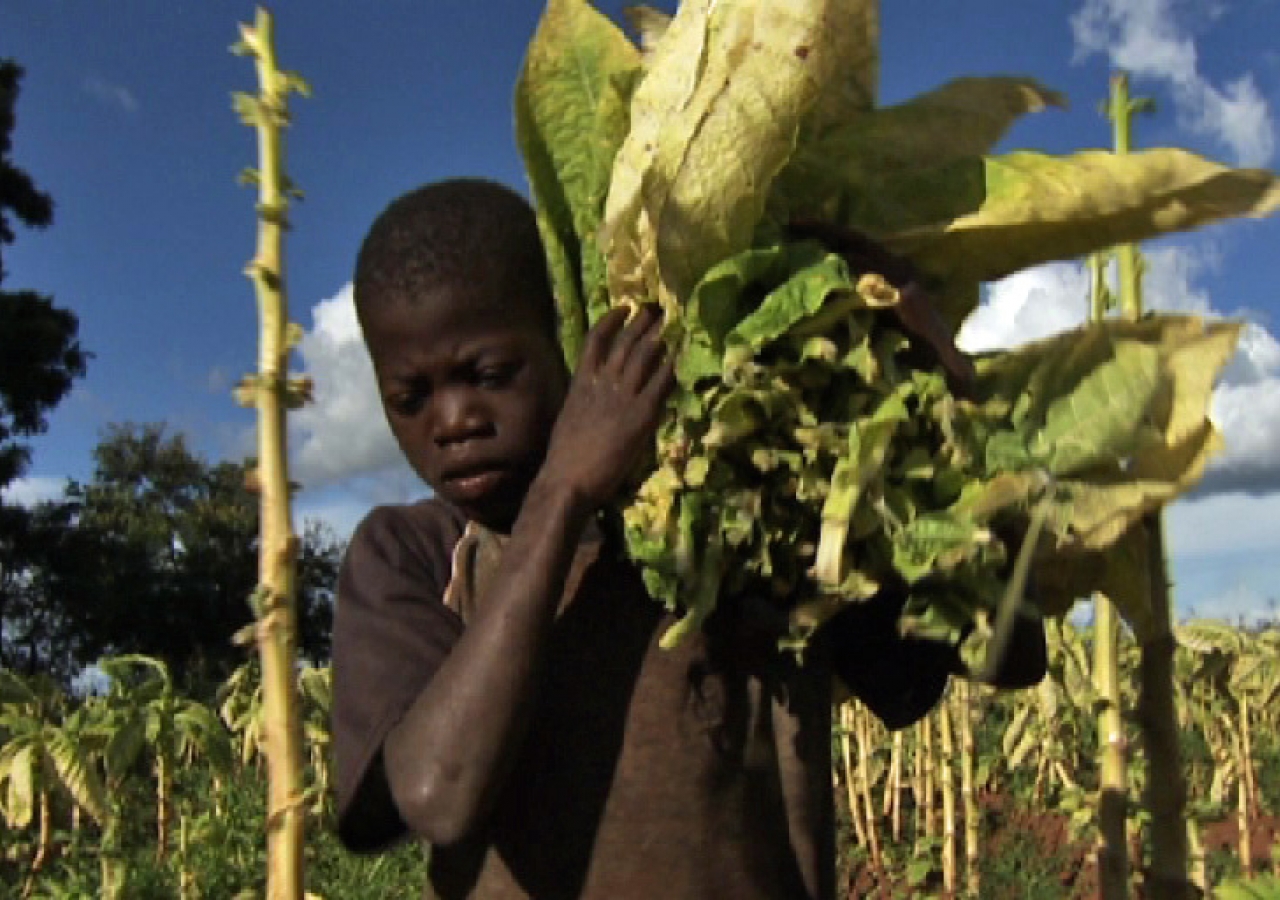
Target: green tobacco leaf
x,y
819,276
1035,208
1107,391
1098,416
716,305
712,122
961,120
571,117
79,777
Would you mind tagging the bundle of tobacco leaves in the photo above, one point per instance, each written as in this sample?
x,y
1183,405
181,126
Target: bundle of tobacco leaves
x,y
825,438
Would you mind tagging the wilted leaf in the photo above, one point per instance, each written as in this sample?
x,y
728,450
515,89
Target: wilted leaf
x,y
712,122
960,121
1036,208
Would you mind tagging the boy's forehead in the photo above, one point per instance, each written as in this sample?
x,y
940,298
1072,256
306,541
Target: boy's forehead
x,y
449,318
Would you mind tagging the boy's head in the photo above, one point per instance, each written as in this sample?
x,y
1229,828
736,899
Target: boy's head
x,y
452,294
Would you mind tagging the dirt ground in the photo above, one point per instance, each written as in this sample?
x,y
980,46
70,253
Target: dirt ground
x,y
1031,855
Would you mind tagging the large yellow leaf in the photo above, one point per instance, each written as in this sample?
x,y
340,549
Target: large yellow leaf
x,y
1028,208
21,773
712,122
1195,352
78,776
855,84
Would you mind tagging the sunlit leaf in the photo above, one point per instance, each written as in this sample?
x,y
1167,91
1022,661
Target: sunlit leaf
x,y
1028,208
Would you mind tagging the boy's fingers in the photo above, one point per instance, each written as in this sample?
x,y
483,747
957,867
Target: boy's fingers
x,y
645,319
659,386
601,338
644,360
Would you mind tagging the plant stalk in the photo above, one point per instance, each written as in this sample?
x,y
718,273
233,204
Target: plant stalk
x,y
946,780
968,789
1165,792
1113,787
274,600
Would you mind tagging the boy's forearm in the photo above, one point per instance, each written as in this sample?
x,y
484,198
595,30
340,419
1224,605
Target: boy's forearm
x,y
447,757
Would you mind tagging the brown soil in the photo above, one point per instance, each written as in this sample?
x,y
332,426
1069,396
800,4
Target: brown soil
x,y
1046,835
1264,833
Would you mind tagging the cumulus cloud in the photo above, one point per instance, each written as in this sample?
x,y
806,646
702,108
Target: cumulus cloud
x,y
343,434
107,92
1144,38
1224,524
1049,299
32,490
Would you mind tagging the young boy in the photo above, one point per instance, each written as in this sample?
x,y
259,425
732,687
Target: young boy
x,y
502,696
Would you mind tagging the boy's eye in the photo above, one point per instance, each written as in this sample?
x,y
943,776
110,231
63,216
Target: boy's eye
x,y
406,403
493,376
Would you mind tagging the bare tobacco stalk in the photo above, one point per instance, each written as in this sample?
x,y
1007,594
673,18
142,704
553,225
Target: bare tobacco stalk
x,y
1113,784
1165,794
850,775
966,697
859,721
272,391
946,780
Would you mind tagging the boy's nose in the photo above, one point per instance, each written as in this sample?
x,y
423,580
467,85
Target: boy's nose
x,y
456,419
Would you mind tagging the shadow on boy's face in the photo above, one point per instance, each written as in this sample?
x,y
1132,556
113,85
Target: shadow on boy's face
x,y
471,385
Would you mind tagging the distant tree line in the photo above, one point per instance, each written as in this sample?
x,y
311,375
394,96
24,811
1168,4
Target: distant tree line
x,y
157,552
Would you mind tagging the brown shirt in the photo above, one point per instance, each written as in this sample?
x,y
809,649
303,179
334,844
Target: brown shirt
x,y
701,772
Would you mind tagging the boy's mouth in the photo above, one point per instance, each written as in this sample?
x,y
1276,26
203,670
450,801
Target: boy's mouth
x,y
473,485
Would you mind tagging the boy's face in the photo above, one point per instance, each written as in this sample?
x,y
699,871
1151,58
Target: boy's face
x,y
471,396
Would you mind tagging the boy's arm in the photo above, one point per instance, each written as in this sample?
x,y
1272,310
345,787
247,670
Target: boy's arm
x,y
446,759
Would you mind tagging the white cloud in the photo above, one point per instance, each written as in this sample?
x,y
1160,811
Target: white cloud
x,y
109,93
1144,38
1052,298
343,434
1224,524
32,490
1027,306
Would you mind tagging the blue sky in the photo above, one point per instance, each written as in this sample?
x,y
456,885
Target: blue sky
x,y
125,119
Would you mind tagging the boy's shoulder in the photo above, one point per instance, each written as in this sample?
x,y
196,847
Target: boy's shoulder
x,y
430,520
398,540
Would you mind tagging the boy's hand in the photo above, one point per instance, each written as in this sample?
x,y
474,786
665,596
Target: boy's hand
x,y
612,408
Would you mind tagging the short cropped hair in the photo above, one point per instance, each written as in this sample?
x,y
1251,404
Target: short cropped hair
x,y
458,231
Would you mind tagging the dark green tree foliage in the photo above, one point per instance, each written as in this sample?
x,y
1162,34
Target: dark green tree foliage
x,y
39,353
156,554
39,358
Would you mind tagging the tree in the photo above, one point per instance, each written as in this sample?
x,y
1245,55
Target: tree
x,y
156,555
39,353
